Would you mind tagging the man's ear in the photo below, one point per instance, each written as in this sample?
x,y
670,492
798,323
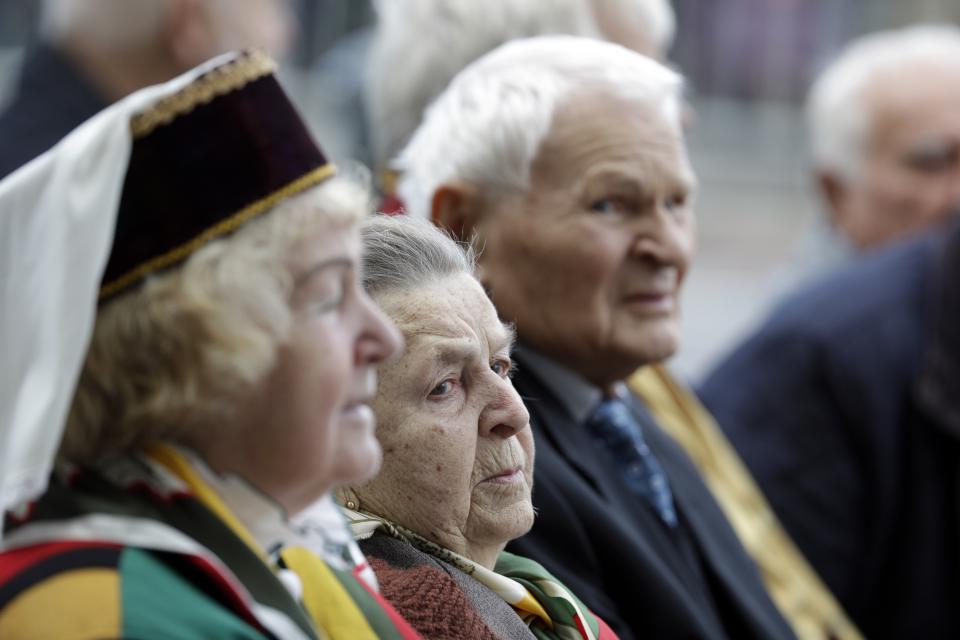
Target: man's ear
x,y
835,193
456,208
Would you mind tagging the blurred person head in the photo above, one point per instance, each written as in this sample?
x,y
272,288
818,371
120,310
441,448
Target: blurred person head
x,y
123,46
435,39
563,159
257,349
458,450
884,119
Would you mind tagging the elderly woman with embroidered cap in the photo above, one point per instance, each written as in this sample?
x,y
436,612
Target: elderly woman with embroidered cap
x,y
223,395
458,455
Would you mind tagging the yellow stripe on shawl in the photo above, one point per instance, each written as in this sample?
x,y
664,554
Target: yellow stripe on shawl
x,y
528,605
512,592
325,599
177,464
83,603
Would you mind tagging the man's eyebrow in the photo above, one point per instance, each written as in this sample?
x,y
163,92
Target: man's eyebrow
x,y
506,340
316,268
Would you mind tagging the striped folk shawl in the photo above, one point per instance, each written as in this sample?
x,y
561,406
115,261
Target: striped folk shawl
x,y
546,606
154,513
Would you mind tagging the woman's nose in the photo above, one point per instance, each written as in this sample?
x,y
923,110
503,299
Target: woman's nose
x,y
505,413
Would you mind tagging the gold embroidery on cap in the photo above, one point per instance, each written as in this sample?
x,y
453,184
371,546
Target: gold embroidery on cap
x,y
222,228
224,79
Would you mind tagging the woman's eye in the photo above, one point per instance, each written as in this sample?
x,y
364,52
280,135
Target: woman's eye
x,y
502,368
325,305
444,388
323,293
605,206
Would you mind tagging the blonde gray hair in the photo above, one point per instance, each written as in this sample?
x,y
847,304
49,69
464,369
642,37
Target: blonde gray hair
x,y
176,354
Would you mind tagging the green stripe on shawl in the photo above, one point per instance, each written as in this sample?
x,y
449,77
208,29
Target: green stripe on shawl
x,y
153,595
557,600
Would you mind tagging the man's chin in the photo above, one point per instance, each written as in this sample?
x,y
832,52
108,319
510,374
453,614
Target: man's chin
x,y
654,349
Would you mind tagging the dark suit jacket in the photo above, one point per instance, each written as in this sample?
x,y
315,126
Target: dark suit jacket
x,y
821,404
612,551
51,100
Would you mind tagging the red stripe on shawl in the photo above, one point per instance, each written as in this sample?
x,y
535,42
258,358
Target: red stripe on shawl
x,y
17,560
236,597
168,496
580,629
403,627
606,633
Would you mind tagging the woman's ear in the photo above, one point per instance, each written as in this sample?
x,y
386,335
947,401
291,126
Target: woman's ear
x,y
456,208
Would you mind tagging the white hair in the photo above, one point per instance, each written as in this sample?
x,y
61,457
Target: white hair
x,y
487,127
420,45
111,23
837,111
402,253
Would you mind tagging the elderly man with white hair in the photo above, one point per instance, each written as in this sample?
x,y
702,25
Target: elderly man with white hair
x,y
94,52
884,136
563,158
437,38
824,402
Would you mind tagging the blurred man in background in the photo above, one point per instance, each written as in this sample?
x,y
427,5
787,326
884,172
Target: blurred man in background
x,y
822,402
420,45
94,52
884,120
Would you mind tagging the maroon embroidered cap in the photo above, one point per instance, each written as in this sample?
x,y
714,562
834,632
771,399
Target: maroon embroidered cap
x,y
205,160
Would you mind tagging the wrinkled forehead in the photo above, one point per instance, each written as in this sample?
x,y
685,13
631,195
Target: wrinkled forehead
x,y
452,315
592,130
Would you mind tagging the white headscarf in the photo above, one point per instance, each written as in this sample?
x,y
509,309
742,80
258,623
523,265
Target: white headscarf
x,y
57,217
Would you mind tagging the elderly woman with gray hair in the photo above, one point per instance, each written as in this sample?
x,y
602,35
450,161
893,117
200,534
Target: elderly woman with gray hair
x,y
456,480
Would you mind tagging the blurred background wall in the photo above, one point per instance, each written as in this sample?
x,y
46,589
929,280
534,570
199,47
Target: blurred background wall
x,y
748,64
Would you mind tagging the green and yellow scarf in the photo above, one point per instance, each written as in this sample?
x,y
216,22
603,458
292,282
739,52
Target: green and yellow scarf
x,y
548,608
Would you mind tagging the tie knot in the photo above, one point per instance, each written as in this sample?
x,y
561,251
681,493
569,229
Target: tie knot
x,y
613,421
611,412
614,425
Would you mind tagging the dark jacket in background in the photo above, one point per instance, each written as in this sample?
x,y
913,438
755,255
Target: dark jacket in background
x,y
610,548
50,100
824,406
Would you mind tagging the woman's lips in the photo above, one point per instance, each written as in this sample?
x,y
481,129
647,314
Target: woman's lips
x,y
359,412
651,302
510,476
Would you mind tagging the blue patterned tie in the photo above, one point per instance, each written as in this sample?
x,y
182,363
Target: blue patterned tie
x,y
614,424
